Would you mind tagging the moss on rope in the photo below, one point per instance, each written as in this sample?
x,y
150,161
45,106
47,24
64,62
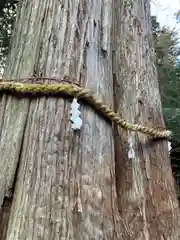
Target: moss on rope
x,y
80,93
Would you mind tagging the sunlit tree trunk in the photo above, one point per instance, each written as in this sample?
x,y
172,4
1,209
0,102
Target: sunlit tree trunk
x,y
146,194
61,183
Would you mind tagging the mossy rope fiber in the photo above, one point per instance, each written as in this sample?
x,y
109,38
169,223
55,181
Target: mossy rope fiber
x,y
73,90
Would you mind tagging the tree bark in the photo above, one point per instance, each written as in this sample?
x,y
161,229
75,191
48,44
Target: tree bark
x,y
63,182
146,194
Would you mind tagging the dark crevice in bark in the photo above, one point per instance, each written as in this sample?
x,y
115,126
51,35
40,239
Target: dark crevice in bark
x,y
3,99
20,151
4,216
9,194
117,147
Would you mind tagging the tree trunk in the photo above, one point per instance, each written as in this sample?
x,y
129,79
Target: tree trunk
x,y
145,187
63,181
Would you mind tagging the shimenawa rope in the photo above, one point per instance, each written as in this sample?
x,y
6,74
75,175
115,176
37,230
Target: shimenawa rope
x,y
80,93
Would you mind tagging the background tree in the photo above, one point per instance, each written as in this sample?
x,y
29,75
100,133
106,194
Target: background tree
x,y
167,51
166,44
144,182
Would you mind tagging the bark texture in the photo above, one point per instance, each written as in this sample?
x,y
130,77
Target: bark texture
x,y
64,181
146,194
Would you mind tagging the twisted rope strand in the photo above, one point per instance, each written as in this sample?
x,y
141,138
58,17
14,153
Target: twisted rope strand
x,y
80,93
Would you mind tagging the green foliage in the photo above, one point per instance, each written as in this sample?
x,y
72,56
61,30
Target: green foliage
x,y
7,18
172,121
170,90
168,69
6,4
171,101
177,15
166,46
